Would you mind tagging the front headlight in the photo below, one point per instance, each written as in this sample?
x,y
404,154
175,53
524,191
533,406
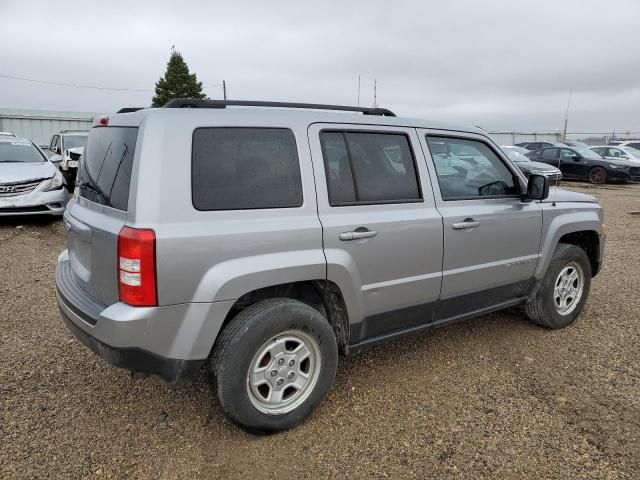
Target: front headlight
x,y
54,182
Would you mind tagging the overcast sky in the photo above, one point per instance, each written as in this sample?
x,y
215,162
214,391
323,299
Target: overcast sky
x,y
497,64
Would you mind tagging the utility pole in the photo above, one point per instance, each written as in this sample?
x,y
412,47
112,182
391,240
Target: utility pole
x,y
358,89
566,117
375,93
224,90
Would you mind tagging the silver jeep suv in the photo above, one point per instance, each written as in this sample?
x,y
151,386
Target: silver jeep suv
x,y
257,244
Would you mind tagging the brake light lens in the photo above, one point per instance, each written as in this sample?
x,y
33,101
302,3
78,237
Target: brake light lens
x,y
137,267
102,121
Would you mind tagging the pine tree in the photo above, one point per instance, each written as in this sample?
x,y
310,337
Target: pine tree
x,y
177,82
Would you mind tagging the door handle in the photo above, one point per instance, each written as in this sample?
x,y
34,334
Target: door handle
x,y
468,223
357,235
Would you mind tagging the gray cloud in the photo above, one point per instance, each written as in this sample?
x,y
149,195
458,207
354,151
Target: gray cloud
x,y
499,64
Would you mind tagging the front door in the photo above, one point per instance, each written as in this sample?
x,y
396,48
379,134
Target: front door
x,y
381,231
491,237
573,165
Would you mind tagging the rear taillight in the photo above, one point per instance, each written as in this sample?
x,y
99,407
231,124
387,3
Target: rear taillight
x,y
102,121
137,267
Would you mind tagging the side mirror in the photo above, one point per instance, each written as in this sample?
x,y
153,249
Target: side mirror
x,y
537,187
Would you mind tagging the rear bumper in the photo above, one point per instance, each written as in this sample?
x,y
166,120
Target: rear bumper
x,y
171,342
137,360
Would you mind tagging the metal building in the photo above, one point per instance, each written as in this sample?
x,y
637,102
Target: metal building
x,y
40,125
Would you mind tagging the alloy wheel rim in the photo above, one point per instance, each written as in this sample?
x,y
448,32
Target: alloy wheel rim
x,y
598,175
568,288
283,372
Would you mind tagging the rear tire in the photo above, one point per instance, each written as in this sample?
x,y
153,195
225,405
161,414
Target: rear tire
x,y
597,175
564,290
273,364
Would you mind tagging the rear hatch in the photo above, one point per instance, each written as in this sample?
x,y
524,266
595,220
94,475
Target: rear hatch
x,y
99,212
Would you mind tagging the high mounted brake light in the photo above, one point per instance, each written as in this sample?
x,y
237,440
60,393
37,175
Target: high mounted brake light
x,y
102,121
137,267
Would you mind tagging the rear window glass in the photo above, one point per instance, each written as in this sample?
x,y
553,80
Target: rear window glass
x,y
104,176
245,168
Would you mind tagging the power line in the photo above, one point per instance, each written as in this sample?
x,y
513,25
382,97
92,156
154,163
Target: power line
x,y
75,85
93,87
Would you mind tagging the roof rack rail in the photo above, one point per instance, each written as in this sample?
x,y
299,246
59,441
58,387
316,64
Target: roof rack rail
x,y
129,109
200,103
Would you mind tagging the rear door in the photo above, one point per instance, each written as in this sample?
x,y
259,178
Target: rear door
x,y
96,216
381,232
491,237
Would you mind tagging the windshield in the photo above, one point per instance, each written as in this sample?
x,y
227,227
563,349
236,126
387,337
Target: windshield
x,y
590,154
19,151
515,156
73,141
635,153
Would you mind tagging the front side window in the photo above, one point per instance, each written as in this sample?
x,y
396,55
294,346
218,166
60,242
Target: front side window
x,y
369,167
615,152
463,177
565,153
245,168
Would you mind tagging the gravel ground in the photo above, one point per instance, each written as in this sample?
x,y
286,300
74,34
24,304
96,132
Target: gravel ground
x,y
494,397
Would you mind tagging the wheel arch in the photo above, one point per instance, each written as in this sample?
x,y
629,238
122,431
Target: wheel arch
x,y
580,227
321,294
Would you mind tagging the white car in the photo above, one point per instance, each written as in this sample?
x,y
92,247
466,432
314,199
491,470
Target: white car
x,y
29,183
629,143
618,152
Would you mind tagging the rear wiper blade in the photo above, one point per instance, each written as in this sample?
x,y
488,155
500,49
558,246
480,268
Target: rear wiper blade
x,y
89,186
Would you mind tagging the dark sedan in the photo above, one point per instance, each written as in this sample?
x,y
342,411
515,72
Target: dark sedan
x,y
527,166
585,164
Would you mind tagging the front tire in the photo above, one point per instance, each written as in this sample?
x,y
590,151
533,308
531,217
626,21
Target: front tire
x,y
273,364
564,290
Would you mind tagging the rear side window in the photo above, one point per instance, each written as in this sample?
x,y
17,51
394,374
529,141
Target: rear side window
x,y
368,167
245,168
104,176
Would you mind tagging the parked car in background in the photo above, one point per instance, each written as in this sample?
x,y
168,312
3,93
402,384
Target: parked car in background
x,y
629,143
66,140
585,164
514,148
618,153
530,146
529,167
69,165
263,242
575,144
29,182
